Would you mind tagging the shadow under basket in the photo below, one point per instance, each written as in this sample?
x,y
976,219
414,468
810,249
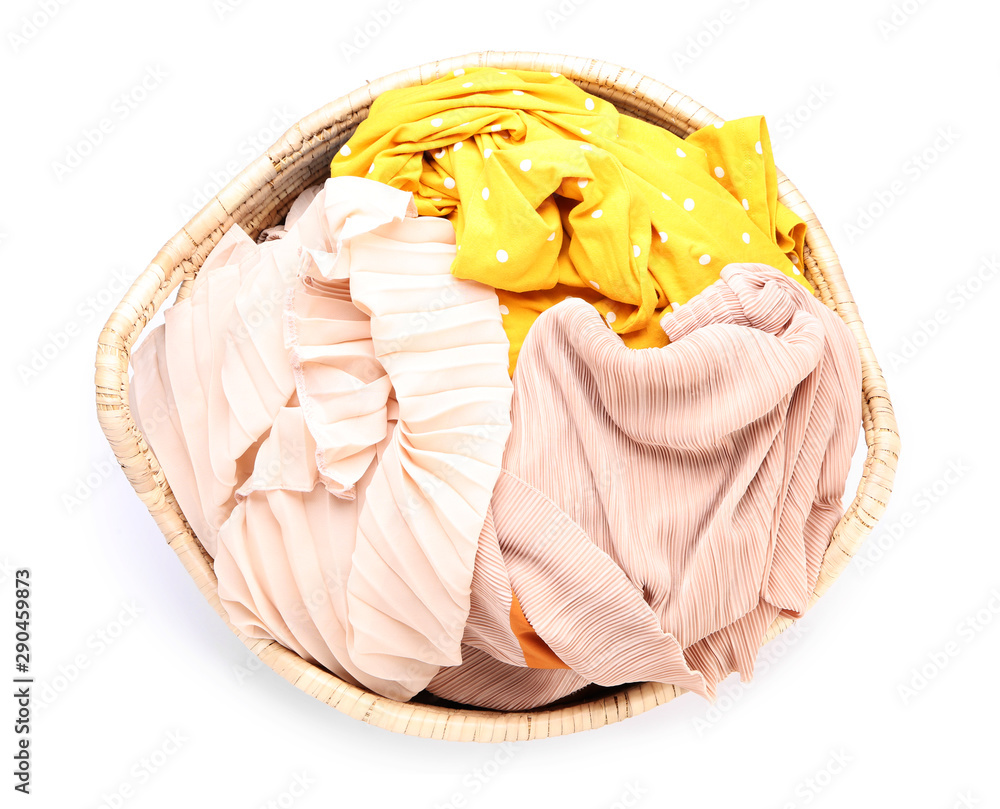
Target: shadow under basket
x,y
260,196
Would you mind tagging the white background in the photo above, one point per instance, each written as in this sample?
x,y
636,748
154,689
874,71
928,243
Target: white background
x,y
826,722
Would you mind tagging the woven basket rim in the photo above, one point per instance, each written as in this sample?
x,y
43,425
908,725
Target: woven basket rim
x,y
253,197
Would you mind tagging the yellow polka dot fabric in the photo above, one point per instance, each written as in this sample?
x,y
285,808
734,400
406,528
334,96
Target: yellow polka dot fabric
x,y
553,193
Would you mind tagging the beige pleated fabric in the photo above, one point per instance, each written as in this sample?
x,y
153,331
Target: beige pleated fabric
x,y
179,376
659,507
342,404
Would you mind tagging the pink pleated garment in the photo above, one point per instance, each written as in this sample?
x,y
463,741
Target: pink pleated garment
x,y
337,434
659,507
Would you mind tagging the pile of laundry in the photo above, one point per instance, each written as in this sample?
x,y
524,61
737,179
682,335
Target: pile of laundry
x,y
528,395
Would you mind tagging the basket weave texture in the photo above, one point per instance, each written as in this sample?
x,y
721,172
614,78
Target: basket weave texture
x,y
261,195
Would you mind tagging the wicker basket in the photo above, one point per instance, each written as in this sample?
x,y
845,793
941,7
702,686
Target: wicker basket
x,y
260,196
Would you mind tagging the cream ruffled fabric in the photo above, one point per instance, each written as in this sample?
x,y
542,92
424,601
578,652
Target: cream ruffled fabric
x,y
342,404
